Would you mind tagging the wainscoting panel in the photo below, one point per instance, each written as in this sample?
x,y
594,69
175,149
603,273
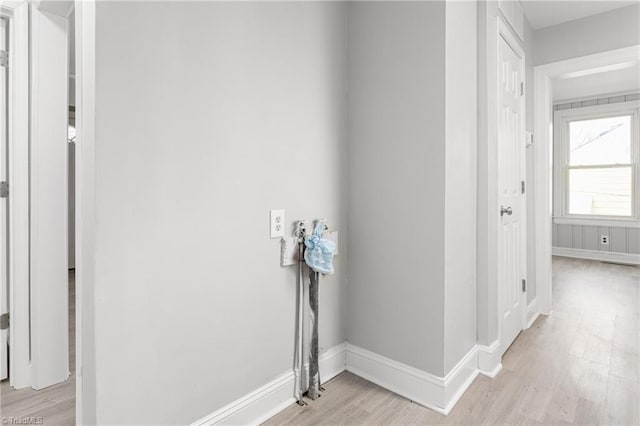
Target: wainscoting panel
x,y
587,237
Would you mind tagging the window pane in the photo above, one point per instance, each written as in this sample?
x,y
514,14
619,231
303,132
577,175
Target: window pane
x,y
600,141
600,191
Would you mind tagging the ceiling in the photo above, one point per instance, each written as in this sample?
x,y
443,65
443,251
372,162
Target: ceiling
x,y
545,13
602,83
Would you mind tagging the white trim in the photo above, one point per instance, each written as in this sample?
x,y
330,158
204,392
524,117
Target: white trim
x,y
265,402
594,97
18,173
605,256
436,393
489,359
543,116
562,120
532,313
596,111
85,210
592,221
566,67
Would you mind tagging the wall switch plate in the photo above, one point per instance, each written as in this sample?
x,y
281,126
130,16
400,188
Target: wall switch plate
x,y
277,223
604,240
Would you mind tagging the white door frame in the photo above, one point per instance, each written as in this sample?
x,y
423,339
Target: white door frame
x,y
85,210
505,33
543,117
17,13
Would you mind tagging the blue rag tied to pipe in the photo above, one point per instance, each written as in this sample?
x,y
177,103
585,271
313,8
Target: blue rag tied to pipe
x,y
320,251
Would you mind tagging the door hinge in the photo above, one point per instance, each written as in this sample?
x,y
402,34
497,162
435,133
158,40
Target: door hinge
x,y
522,186
4,58
524,285
4,189
522,88
4,321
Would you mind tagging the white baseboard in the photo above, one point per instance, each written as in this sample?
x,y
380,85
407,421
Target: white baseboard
x,y
604,256
532,313
490,359
268,400
437,393
460,378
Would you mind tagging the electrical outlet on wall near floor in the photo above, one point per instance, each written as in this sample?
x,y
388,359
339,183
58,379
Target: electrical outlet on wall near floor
x,y
604,240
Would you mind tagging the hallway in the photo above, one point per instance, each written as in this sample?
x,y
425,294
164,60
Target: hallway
x,y
578,366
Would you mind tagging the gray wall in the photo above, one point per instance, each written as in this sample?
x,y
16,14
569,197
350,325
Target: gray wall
x,y
412,210
585,237
460,326
208,115
396,180
594,34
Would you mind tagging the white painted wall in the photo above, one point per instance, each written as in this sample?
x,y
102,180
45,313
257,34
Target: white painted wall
x,y
207,116
397,181
460,181
594,34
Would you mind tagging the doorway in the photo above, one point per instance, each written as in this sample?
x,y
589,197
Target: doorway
x,y
545,210
39,293
511,198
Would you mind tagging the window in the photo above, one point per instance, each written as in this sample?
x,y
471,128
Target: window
x,y
597,161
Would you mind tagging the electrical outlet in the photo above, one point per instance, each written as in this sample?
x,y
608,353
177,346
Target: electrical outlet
x,y
277,223
604,240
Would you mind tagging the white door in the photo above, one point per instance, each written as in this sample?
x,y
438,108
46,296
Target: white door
x,y
511,173
4,236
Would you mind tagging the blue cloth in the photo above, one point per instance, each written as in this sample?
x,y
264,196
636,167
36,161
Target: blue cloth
x,y
320,251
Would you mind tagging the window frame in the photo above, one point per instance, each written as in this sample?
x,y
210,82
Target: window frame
x,y
562,120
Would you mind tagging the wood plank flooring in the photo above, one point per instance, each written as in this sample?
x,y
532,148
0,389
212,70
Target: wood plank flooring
x,y
55,405
579,365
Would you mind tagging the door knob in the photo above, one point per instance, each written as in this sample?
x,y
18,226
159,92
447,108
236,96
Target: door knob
x,y
508,211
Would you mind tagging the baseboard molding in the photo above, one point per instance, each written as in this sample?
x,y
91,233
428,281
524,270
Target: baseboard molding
x,y
490,359
436,393
439,394
604,256
532,313
268,400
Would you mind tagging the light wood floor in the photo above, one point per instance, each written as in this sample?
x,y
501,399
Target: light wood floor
x,y
578,366
55,405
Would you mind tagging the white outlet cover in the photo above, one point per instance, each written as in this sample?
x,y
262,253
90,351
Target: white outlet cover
x,y
277,223
604,240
